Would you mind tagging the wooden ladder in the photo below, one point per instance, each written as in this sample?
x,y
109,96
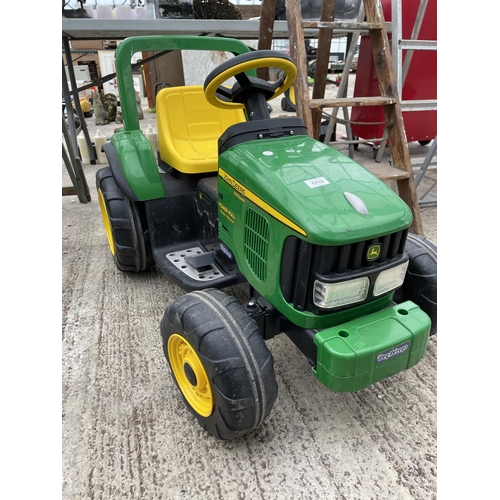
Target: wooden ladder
x,y
310,109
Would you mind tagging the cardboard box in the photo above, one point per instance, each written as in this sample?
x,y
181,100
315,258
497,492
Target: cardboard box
x,y
86,44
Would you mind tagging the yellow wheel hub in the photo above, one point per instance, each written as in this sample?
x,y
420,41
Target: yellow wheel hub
x,y
190,375
106,222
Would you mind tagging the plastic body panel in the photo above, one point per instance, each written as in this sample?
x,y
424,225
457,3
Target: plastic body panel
x,y
283,172
420,83
138,164
304,181
357,354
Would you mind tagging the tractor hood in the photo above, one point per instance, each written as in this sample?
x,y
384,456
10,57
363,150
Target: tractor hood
x,y
322,194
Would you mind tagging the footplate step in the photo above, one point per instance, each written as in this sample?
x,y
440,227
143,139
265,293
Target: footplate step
x,y
196,264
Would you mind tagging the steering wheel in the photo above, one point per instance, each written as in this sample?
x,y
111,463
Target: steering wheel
x,y
247,87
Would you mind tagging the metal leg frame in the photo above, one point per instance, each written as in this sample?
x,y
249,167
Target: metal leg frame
x,y
423,170
74,167
76,100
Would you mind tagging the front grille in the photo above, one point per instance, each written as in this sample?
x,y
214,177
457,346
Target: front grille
x,y
303,262
256,243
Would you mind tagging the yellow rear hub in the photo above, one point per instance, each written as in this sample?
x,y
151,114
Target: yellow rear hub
x,y
190,375
106,222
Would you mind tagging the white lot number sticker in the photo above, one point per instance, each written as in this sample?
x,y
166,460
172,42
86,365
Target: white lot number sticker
x,y
319,181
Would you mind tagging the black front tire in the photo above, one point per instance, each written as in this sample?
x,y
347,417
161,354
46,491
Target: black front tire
x,y
420,285
125,225
220,362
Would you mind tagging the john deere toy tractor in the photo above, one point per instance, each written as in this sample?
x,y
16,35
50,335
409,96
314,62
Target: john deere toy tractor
x,y
237,197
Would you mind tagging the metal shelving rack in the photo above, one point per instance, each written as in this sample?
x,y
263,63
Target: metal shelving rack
x,y
119,29
263,30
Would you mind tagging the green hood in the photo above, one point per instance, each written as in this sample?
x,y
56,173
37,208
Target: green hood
x,y
311,184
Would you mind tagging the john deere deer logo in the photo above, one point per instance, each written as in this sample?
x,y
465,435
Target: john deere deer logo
x,y
374,252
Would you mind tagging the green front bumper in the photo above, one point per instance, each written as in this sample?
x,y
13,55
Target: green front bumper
x,y
359,353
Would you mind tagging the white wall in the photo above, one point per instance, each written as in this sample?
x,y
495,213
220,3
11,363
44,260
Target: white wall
x,y
197,65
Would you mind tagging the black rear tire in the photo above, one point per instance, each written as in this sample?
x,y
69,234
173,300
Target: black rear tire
x,y
287,104
220,362
125,225
420,285
284,104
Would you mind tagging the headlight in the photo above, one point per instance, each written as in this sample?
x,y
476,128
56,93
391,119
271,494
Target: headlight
x,y
329,295
390,279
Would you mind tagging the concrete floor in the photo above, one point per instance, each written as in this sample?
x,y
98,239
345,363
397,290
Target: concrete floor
x,y
126,433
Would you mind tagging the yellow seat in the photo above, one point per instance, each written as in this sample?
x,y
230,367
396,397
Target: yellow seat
x,y
189,128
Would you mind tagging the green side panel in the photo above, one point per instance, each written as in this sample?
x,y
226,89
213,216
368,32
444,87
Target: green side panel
x,y
305,180
355,355
138,164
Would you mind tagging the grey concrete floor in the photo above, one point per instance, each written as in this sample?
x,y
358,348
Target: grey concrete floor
x,y
126,433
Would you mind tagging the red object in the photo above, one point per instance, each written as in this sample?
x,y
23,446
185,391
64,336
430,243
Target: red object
x,y
420,83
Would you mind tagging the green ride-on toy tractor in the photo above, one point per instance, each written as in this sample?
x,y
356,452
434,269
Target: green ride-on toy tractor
x,y
233,197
